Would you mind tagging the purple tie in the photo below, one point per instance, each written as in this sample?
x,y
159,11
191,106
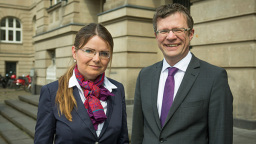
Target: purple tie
x,y
168,94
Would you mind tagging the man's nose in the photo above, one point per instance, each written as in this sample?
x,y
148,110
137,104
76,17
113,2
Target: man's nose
x,y
171,35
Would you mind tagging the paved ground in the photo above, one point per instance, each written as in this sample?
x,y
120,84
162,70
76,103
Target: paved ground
x,y
240,136
11,93
243,136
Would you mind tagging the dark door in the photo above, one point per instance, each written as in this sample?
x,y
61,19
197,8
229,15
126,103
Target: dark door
x,y
185,3
10,68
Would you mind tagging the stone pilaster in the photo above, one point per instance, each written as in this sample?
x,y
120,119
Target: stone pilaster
x,y
225,34
134,42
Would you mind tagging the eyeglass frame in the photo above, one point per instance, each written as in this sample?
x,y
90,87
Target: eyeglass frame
x,y
168,31
94,53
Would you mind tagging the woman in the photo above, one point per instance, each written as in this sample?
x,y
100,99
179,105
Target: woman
x,y
83,106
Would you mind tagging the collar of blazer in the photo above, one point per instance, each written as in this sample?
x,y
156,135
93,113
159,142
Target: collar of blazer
x,y
81,111
187,82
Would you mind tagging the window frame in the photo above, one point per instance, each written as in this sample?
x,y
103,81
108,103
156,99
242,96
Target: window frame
x,y
57,1
14,29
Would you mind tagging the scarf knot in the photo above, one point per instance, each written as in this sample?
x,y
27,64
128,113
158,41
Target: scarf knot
x,y
94,92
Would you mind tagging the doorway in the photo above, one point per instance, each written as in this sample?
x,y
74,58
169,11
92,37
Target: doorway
x,y
10,68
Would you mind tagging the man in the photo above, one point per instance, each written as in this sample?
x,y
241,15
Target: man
x,y
192,105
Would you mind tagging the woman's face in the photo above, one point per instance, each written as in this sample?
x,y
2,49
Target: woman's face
x,y
88,64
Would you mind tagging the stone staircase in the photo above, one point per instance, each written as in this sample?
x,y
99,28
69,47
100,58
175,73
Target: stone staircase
x,y
18,120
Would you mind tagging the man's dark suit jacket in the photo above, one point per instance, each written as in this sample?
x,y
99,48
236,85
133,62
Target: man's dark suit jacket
x,y
202,111
80,130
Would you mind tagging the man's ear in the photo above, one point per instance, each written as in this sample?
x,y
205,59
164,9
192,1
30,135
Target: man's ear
x,y
191,34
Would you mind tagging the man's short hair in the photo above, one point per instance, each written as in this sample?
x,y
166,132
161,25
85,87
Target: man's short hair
x,y
169,9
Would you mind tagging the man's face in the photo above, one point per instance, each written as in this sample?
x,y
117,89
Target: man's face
x,y
173,46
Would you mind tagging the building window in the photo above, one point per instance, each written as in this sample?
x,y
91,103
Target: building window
x,y
34,25
10,30
54,2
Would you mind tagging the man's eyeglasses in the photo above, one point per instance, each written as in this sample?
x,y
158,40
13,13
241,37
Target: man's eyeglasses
x,y
176,31
91,53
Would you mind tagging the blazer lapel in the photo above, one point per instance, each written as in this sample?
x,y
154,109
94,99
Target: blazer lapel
x,y
109,113
187,82
154,91
82,112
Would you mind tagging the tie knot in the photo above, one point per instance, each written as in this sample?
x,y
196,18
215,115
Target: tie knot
x,y
172,71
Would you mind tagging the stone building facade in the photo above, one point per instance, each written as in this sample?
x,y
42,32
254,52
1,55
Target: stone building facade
x,y
225,35
16,43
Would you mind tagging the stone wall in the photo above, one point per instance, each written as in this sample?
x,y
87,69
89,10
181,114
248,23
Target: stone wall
x,y
225,35
57,34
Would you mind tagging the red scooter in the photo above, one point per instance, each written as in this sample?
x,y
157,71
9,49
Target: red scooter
x,y
23,82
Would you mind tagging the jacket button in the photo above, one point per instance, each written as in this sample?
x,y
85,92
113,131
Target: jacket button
x,y
161,140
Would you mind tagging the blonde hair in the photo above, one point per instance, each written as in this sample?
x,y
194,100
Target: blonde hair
x,y
64,98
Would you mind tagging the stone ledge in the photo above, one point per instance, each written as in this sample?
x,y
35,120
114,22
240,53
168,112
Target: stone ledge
x,y
129,102
126,11
244,124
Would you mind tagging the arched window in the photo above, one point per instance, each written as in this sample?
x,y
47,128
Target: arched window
x,y
10,30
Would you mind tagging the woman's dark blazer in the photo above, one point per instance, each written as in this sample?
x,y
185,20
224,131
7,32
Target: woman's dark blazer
x,y
53,127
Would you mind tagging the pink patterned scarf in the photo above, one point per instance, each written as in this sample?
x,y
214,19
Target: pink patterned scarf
x,y
94,92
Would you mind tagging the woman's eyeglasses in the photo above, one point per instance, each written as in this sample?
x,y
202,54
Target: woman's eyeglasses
x,y
91,53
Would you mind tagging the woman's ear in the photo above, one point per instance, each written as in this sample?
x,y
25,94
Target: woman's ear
x,y
74,52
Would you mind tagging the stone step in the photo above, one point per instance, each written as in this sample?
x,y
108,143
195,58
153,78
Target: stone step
x,y
22,113
2,141
23,107
33,99
11,134
20,120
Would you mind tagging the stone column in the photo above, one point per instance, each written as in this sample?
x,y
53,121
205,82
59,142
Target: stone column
x,y
135,47
42,17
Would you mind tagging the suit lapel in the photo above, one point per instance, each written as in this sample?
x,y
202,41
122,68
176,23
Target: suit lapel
x,y
186,84
154,93
109,113
82,112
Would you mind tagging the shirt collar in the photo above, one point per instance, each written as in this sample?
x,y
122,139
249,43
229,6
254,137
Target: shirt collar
x,y
181,65
107,84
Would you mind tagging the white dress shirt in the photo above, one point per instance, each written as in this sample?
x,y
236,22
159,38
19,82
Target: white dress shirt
x,y
107,84
182,66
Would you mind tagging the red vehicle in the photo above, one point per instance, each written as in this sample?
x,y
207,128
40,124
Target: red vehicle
x,y
13,76
23,82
